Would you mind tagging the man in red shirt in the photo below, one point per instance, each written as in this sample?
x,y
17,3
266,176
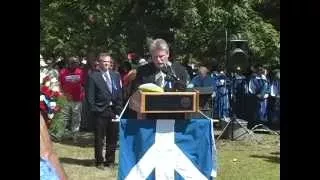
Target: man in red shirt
x,y
72,81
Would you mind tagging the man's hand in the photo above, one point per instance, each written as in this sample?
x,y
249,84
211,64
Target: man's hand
x,y
112,115
116,119
132,74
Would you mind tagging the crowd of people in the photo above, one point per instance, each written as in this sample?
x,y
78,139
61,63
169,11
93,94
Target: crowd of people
x,y
252,95
98,86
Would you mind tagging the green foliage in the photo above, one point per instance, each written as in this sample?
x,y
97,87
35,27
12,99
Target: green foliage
x,y
269,10
57,128
194,28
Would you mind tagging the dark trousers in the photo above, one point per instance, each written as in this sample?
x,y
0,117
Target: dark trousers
x,y
251,110
104,127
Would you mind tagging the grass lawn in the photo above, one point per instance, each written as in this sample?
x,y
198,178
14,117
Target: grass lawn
x,y
237,160
247,160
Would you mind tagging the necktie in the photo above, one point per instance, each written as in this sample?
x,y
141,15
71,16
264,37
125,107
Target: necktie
x,y
159,80
108,80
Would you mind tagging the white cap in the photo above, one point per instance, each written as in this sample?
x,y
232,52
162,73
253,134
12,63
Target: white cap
x,y
43,63
142,62
59,59
84,61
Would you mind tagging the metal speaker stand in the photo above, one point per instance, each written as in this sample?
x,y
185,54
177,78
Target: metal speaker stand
x,y
232,121
265,128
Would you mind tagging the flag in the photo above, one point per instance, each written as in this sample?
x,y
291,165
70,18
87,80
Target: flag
x,y
167,149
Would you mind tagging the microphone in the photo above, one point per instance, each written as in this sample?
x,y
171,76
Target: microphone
x,y
171,77
167,69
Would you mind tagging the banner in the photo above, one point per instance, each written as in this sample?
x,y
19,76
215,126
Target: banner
x,y
167,149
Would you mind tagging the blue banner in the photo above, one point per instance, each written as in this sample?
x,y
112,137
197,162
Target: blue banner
x,y
167,149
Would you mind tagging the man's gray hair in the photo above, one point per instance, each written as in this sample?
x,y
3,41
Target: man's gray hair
x,y
159,44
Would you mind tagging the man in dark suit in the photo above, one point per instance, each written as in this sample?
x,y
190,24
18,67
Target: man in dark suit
x,y
105,102
166,74
171,76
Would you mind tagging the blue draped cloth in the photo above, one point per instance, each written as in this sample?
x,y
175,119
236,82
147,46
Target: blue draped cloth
x,y
153,149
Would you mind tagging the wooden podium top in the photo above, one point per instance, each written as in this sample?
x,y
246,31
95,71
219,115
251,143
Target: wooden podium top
x,y
164,102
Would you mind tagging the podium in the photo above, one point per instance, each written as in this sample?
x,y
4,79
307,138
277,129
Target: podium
x,y
157,141
165,104
205,101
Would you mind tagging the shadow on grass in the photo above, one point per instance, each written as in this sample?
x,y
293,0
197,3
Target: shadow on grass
x,y
272,159
82,141
81,162
275,153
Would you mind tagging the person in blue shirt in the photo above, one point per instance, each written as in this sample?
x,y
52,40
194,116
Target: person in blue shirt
x,y
203,79
47,171
50,167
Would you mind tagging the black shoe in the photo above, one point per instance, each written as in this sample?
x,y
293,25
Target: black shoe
x,y
100,166
110,164
107,163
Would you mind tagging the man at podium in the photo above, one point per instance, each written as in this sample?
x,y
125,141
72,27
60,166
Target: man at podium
x,y
163,141
169,75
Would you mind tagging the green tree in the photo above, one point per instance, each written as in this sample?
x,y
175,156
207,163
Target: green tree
x,y
194,28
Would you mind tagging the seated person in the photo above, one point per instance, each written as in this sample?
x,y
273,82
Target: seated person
x,y
203,79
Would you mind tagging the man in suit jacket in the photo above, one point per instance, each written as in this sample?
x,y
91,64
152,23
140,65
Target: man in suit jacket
x,y
170,76
105,102
161,71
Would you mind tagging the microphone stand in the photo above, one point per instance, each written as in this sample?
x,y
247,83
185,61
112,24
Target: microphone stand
x,y
170,78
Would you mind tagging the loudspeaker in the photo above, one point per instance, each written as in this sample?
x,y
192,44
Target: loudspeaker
x,y
238,55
